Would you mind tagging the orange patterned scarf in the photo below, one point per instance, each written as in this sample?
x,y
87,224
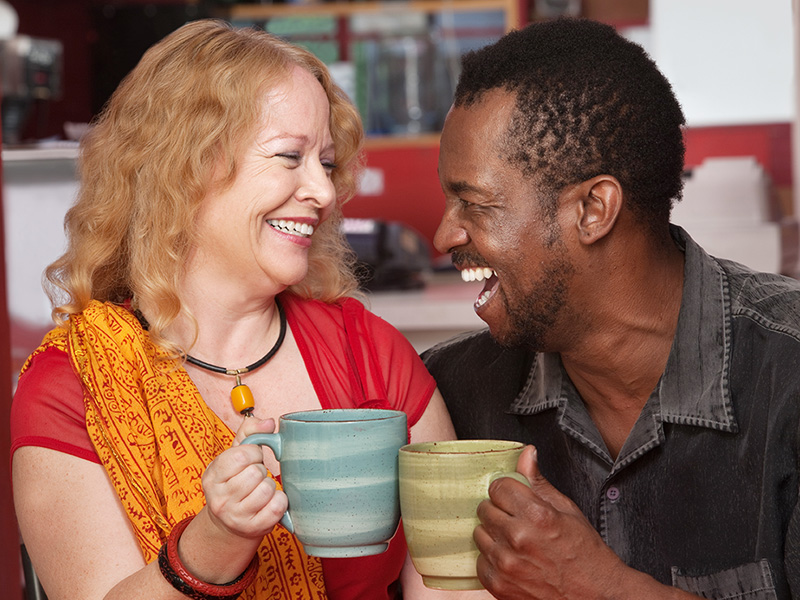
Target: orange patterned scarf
x,y
155,435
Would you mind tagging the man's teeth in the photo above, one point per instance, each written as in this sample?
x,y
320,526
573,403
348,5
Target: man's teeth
x,y
476,274
482,298
291,227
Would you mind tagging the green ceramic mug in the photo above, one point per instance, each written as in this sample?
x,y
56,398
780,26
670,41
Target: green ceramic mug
x,y
441,485
339,471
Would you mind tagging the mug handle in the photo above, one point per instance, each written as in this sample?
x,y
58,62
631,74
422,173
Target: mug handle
x,y
274,442
514,475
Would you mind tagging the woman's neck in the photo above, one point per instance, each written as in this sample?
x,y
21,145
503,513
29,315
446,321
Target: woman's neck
x,y
232,329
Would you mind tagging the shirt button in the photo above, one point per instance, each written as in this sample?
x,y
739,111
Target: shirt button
x,y
613,493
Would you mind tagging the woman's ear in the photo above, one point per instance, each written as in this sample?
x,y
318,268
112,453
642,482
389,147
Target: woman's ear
x,y
599,204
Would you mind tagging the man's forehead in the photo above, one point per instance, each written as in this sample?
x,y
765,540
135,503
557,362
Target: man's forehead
x,y
480,125
492,105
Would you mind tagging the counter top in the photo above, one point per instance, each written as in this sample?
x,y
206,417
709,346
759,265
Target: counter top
x,y
445,303
55,151
441,309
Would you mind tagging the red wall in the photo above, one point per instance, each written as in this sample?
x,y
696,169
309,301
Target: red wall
x,y
10,566
771,144
414,197
412,193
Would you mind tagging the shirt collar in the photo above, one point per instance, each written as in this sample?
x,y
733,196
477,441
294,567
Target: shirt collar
x,y
694,388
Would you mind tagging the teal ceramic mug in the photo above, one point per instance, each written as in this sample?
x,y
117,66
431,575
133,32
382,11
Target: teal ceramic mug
x,y
339,469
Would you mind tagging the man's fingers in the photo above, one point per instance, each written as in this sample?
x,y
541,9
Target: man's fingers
x,y
516,499
528,463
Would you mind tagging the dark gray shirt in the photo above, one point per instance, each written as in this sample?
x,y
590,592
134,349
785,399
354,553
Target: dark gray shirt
x,y
704,493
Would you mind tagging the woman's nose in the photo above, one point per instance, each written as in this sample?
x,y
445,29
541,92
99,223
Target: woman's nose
x,y
317,186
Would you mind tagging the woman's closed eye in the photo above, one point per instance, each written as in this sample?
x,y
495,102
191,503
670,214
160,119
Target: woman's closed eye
x,y
291,156
296,157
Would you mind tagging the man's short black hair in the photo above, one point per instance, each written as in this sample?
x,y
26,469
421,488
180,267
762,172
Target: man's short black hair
x,y
589,102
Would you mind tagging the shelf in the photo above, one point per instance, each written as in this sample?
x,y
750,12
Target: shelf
x,y
70,152
66,151
347,9
383,142
398,60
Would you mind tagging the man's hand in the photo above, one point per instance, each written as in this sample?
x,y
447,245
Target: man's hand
x,y
535,543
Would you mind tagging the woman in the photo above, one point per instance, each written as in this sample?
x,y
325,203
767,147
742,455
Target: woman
x,y
205,234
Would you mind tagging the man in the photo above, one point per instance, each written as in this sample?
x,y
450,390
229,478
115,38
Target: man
x,y
658,385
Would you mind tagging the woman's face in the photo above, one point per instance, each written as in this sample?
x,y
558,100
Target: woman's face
x,y
258,230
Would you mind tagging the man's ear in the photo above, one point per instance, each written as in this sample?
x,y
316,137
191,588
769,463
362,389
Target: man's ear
x,y
599,202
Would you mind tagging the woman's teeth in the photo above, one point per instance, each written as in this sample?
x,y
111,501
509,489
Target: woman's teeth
x,y
476,274
291,227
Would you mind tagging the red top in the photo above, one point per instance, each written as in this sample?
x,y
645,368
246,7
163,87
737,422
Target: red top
x,y
353,358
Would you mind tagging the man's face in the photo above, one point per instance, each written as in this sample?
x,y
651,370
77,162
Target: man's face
x,y
498,226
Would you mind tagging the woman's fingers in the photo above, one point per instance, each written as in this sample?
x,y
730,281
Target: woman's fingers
x,y
251,425
239,491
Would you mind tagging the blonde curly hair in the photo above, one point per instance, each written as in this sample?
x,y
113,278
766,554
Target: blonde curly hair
x,y
191,104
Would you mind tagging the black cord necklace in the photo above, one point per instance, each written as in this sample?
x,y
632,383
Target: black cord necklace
x,y
241,396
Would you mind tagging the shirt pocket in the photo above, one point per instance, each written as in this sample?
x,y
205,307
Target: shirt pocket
x,y
751,581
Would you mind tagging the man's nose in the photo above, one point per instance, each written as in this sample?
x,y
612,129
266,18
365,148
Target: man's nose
x,y
449,235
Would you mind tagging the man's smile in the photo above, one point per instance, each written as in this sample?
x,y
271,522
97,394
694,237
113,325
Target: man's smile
x,y
482,274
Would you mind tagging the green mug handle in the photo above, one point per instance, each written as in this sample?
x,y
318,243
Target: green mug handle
x,y
513,475
275,442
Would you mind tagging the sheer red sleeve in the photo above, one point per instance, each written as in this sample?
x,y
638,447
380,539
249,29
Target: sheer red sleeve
x,y
48,411
355,358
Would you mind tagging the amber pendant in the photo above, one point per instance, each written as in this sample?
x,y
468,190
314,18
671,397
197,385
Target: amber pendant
x,y
242,398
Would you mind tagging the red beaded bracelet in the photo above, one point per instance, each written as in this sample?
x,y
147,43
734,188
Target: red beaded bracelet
x,y
176,574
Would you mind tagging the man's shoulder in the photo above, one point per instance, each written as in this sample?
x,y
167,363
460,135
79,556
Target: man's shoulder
x,y
479,380
464,347
768,298
475,356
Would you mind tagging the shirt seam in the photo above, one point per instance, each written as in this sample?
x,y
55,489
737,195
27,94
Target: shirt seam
x,y
767,323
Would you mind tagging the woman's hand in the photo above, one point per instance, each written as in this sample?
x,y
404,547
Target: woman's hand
x,y
72,520
241,497
242,506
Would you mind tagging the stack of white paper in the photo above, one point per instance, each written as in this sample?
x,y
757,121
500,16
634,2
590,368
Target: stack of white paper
x,y
727,209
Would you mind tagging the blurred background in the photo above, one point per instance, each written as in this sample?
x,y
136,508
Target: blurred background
x,y
731,62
